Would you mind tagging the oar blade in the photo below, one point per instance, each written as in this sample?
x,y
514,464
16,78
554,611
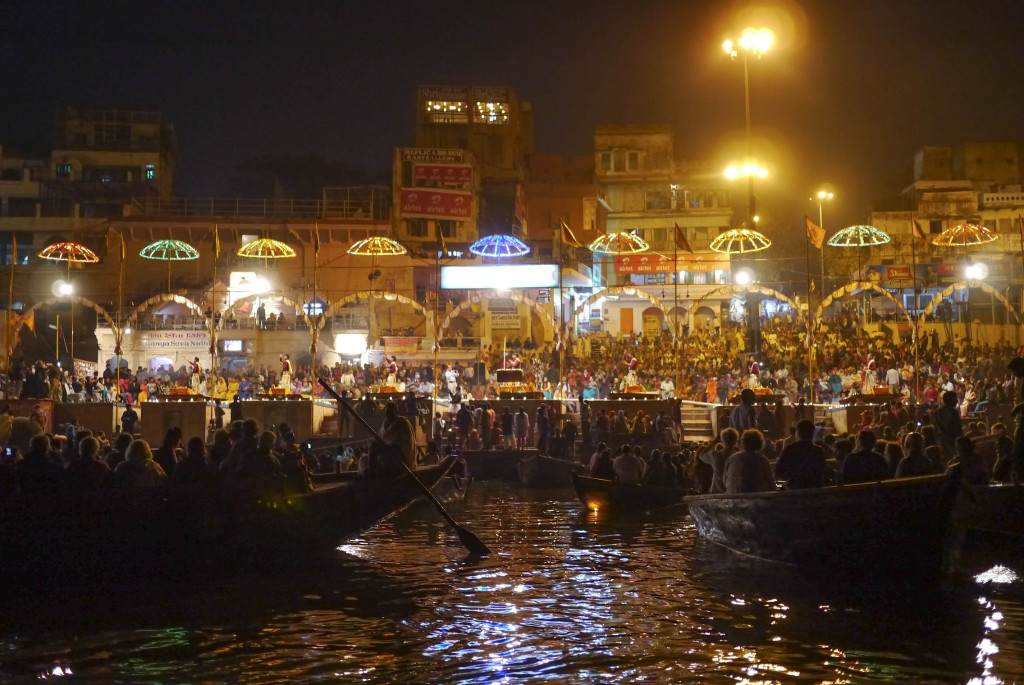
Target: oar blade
x,y
471,542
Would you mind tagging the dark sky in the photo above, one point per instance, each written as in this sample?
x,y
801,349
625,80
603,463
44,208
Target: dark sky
x,y
851,91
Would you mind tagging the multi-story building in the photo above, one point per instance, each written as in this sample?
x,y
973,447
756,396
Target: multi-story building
x,y
643,188
974,182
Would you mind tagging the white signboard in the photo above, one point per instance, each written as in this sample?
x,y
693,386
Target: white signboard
x,y
505,322
177,340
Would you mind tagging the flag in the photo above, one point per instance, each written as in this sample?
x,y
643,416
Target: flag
x,y
440,239
216,243
29,320
813,287
567,236
681,240
121,236
316,239
14,249
915,228
815,233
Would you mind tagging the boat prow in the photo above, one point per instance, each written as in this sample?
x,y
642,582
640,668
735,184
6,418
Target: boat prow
x,y
598,494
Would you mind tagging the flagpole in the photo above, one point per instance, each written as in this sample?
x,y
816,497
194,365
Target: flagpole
x,y
810,328
213,309
917,315
675,309
8,333
561,323
314,330
1020,229
120,331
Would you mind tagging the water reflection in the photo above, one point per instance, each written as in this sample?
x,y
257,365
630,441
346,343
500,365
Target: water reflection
x,y
565,598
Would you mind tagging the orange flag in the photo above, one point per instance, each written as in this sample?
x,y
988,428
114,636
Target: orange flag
x,y
681,241
915,228
30,321
567,236
815,233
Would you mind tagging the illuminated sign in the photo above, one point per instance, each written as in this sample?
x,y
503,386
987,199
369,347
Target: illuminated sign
x,y
453,174
660,264
432,203
499,276
430,154
232,345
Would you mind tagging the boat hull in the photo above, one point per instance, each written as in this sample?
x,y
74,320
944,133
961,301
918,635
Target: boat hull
x,y
541,471
598,494
163,532
991,509
891,527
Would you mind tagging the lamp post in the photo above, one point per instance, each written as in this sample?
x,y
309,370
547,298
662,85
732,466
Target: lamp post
x,y
753,42
820,198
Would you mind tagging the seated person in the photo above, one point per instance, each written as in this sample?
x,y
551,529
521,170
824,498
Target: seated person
x,y
749,470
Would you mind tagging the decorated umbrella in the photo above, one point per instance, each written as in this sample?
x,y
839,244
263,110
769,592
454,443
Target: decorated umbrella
x,y
169,251
967,234
499,246
266,248
71,253
622,242
377,246
740,241
859,236
373,247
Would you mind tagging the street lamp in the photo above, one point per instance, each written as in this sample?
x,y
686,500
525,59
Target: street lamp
x,y
821,197
754,42
976,272
743,277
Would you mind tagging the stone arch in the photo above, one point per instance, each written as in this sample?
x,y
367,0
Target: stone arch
x,y
378,295
157,299
546,318
630,290
961,285
752,288
15,334
856,287
233,307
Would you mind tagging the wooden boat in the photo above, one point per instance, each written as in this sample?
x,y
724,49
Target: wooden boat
x,y
164,532
494,464
542,471
996,508
598,494
889,527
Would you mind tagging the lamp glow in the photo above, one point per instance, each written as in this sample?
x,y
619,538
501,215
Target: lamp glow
x,y
976,272
743,277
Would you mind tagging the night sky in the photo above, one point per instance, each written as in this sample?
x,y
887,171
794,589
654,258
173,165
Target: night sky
x,y
848,94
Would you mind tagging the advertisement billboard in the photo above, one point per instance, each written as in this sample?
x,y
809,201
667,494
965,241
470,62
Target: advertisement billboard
x,y
432,203
663,264
501,276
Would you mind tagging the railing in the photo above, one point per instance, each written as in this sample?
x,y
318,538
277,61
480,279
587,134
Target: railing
x,y
1002,200
373,207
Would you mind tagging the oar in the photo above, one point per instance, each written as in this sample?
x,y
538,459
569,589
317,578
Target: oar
x,y
468,539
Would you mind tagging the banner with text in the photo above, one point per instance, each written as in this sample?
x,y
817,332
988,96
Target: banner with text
x,y
453,174
182,340
401,345
663,264
431,203
503,321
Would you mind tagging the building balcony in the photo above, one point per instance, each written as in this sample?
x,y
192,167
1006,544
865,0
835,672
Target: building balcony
x,y
1001,200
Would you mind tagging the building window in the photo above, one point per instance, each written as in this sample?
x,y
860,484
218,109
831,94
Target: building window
x,y
417,228
619,161
633,161
446,112
447,228
490,113
658,199
606,161
935,226
150,173
63,171
660,235
421,294
654,279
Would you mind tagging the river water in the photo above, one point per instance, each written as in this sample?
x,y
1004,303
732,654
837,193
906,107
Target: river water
x,y
565,598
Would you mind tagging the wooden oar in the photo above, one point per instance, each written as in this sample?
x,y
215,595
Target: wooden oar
x,y
468,539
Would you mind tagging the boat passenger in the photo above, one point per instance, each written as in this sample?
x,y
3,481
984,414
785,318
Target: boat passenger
x,y
967,465
802,463
628,467
655,472
893,457
194,468
397,433
948,426
170,452
915,463
864,465
716,457
258,469
139,470
749,470
86,472
603,466
38,473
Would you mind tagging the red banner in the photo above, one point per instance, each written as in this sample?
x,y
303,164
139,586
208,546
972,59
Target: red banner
x,y
662,264
401,345
430,203
444,173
